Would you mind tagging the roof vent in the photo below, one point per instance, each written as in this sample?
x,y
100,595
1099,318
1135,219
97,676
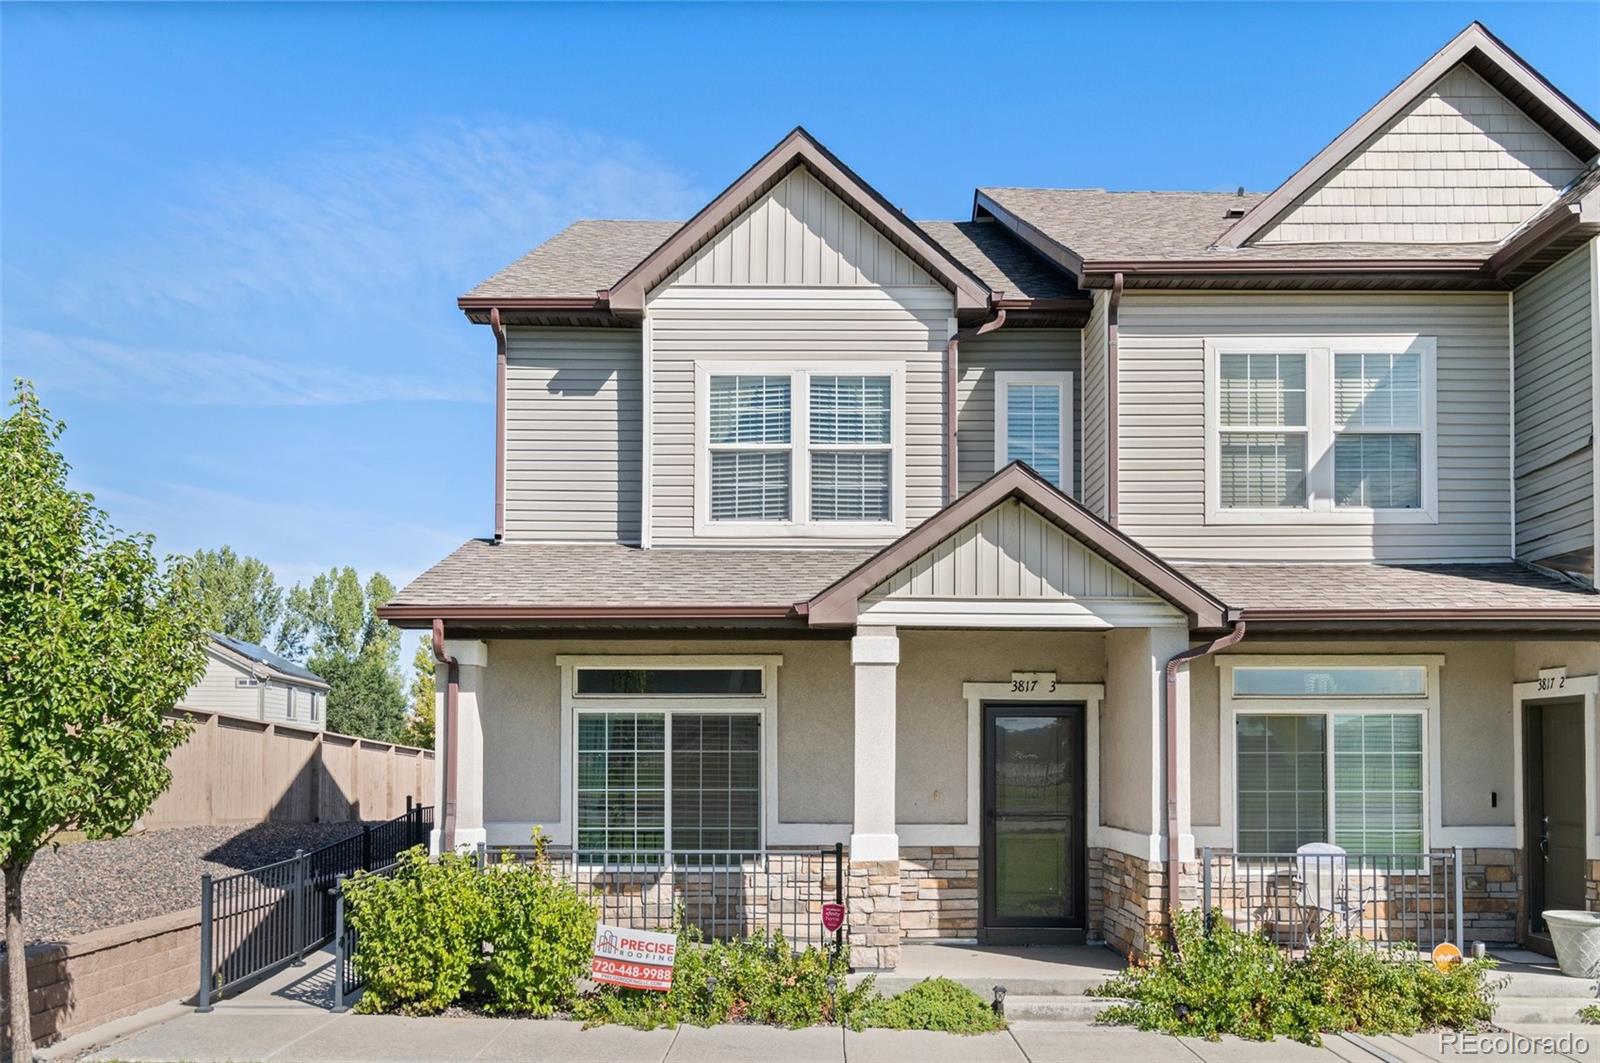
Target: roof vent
x,y
1236,212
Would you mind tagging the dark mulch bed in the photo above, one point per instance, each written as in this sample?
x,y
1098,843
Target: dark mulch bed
x,y
85,886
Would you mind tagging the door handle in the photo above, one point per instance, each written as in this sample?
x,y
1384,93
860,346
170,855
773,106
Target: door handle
x,y
1544,838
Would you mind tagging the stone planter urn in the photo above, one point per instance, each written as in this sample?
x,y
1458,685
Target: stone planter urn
x,y
1576,936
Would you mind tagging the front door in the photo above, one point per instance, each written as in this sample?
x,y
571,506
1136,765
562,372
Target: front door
x,y
1553,770
1033,825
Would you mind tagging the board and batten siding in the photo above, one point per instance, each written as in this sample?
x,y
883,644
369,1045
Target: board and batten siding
x,y
1028,350
1161,355
573,434
1092,423
1462,164
1552,322
798,278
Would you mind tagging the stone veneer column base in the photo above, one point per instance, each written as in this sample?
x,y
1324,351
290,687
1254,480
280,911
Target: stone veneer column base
x,y
938,891
1127,900
873,901
1492,894
1593,891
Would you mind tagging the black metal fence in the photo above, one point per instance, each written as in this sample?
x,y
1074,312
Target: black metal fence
x,y
1387,899
256,921
726,894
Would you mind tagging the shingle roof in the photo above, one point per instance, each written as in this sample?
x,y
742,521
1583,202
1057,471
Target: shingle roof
x,y
1000,260
263,656
578,261
1504,586
607,574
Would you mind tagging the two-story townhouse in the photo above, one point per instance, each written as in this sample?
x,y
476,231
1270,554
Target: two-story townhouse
x,y
1034,555
250,681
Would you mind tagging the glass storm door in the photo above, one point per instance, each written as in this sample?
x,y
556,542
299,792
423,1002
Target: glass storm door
x,y
1033,824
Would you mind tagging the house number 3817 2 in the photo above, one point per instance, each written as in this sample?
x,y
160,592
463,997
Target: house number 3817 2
x,y
1552,682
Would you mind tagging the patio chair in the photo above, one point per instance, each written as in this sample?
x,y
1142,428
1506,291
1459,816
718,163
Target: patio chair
x,y
1326,891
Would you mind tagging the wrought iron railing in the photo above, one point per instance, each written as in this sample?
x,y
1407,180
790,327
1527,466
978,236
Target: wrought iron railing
x,y
257,921
1387,899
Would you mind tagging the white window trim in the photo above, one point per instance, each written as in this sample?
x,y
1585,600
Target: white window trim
x,y
1319,430
1004,379
799,522
1434,833
288,702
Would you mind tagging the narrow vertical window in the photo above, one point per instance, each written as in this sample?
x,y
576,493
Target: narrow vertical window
x,y
1032,423
1377,783
1377,420
851,447
1262,413
1282,782
622,781
750,448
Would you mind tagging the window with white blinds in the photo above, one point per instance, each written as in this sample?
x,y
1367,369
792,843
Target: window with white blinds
x,y
1033,423
1263,415
1343,427
1377,420
814,447
850,448
749,436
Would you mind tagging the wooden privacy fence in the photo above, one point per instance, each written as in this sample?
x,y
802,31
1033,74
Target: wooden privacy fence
x,y
240,771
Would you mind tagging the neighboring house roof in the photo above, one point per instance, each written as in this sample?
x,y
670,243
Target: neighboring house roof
x,y
836,606
266,661
1488,56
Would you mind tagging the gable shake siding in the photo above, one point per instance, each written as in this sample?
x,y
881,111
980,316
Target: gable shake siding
x,y
573,432
1092,425
1552,323
1462,164
1161,352
1028,350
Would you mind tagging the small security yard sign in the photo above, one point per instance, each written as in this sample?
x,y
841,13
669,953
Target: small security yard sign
x,y
637,959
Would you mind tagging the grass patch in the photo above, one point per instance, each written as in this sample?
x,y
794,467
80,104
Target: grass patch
x,y
931,1004
1590,1013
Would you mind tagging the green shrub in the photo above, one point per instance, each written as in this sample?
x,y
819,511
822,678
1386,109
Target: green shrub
x,y
421,932
1232,982
757,979
931,1004
539,932
1590,1013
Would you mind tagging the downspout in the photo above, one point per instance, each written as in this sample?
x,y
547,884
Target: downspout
x,y
452,689
1233,637
952,352
499,425
1112,486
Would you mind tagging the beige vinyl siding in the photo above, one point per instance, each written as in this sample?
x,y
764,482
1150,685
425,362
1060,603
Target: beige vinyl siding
x,y
786,326
1462,164
1010,552
1092,423
1161,345
573,432
216,691
1553,315
801,233
1031,350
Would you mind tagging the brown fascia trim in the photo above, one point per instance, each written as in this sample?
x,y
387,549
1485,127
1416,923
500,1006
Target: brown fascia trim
x,y
1427,617
499,424
403,615
1474,39
799,147
1287,266
1047,246
1113,418
836,605
1521,246
952,383
483,303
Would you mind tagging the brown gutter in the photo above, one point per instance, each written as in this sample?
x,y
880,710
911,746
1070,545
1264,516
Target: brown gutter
x,y
952,358
1177,661
487,613
1112,418
452,692
499,424
1530,241
1285,265
1574,614
489,302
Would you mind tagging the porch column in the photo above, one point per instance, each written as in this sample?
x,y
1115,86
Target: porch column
x,y
874,886
874,652
467,757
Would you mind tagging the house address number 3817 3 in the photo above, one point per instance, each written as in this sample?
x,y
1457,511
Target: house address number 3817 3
x,y
1033,682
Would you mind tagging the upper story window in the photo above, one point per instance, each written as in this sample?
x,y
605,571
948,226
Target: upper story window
x,y
1033,423
1322,430
813,450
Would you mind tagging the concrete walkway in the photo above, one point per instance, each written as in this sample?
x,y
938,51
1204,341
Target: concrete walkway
x,y
286,1018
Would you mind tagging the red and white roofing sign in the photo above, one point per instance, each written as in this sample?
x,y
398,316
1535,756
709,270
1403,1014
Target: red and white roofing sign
x,y
637,959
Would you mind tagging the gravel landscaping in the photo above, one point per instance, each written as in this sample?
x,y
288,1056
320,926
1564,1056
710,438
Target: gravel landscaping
x,y
90,885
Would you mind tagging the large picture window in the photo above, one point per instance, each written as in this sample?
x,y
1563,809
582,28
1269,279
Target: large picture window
x,y
818,448
1320,429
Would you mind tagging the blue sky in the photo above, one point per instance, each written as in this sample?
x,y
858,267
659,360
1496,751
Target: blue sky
x,y
233,234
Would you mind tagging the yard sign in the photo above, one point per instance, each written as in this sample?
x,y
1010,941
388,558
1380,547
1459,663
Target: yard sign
x,y
636,959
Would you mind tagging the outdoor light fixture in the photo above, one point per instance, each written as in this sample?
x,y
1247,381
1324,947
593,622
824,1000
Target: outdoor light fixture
x,y
999,1004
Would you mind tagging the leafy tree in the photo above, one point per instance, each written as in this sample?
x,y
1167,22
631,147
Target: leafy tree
x,y
239,595
333,625
419,722
97,641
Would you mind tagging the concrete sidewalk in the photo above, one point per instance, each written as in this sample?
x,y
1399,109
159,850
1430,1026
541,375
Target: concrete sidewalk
x,y
286,1018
